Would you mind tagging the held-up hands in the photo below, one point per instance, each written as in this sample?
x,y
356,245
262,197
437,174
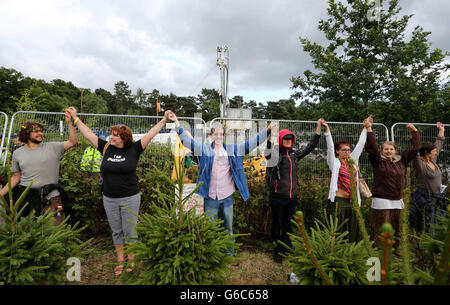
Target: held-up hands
x,y
70,113
441,128
411,127
170,116
273,127
321,123
367,123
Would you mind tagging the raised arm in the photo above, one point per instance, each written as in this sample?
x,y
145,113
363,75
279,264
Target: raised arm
x,y
367,123
439,140
330,146
147,138
371,144
271,141
312,143
247,146
73,139
85,131
187,141
411,153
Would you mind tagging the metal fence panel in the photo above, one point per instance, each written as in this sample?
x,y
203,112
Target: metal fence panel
x,y
55,129
315,164
428,133
3,132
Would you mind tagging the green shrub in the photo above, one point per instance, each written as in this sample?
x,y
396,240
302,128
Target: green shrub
x,y
34,250
82,202
179,247
341,262
254,216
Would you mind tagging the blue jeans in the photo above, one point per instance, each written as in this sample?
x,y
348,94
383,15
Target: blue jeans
x,y
213,207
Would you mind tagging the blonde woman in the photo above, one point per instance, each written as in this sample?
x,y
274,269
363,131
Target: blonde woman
x,y
389,180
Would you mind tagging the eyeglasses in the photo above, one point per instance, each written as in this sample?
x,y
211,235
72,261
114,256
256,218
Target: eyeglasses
x,y
345,150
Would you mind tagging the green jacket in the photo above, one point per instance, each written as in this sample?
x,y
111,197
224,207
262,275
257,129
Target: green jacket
x,y
91,160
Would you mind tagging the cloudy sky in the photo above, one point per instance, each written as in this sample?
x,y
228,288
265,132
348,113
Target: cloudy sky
x,y
171,45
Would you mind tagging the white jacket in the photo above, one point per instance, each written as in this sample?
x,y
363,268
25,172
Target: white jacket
x,y
335,164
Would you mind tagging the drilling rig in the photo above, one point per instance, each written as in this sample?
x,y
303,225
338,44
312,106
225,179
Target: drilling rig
x,y
222,62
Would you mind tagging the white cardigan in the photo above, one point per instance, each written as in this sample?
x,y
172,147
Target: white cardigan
x,y
335,164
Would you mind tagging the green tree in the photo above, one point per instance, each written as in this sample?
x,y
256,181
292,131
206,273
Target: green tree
x,y
122,98
93,103
35,98
369,66
12,85
108,97
209,105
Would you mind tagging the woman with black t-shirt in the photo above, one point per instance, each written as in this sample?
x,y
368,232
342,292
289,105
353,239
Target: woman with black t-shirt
x,y
120,183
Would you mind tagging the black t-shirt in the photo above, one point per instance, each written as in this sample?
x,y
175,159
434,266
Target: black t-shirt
x,y
119,169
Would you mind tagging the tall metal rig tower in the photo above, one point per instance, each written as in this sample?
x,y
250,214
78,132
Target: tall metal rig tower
x,y
222,62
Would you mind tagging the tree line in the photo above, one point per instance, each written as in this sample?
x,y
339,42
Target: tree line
x,y
368,66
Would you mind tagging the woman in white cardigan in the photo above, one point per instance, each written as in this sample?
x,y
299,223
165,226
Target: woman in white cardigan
x,y
340,190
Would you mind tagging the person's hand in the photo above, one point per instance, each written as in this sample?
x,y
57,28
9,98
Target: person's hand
x,y
171,116
68,117
320,122
411,127
72,111
166,114
368,122
273,127
441,128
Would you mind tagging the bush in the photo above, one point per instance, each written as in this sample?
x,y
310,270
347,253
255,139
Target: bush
x,y
34,250
340,261
82,201
179,247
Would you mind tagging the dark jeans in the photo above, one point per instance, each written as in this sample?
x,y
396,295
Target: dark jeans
x,y
34,200
282,212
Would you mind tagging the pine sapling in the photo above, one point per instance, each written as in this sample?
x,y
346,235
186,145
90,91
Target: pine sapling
x,y
299,217
387,239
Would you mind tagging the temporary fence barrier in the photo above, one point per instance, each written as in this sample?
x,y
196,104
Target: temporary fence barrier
x,y
315,164
3,130
56,129
428,133
238,130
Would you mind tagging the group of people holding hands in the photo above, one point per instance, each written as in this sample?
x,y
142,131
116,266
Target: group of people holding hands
x,y
221,173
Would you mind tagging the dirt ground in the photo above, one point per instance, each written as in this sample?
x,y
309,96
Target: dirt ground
x,y
251,267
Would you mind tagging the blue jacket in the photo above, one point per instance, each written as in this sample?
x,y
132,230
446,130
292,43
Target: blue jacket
x,y
236,152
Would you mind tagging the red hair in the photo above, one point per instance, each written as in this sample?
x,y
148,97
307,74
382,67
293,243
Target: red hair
x,y
124,132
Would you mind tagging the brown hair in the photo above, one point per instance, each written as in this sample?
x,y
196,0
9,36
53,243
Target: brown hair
x,y
389,143
339,144
426,147
124,133
26,128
